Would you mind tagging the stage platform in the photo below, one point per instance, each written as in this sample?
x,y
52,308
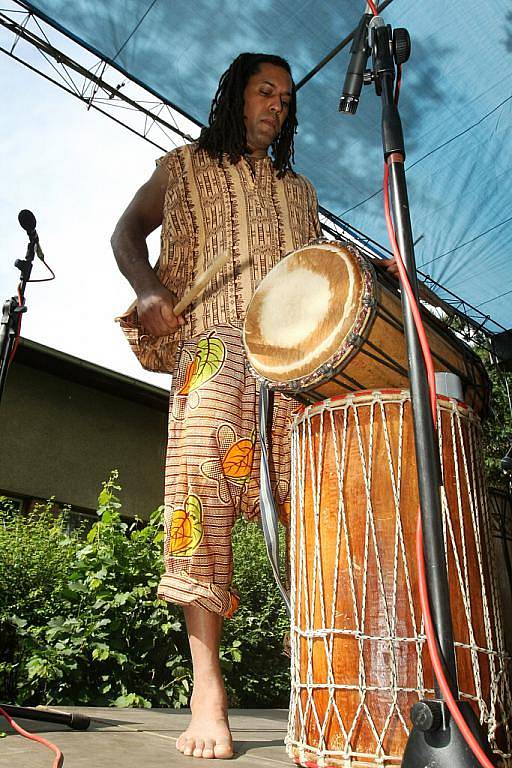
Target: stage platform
x,y
144,738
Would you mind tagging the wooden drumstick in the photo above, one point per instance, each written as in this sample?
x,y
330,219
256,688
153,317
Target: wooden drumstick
x,y
202,281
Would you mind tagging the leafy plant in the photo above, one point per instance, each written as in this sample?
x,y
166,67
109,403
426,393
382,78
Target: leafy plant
x,y
80,622
497,429
84,624
256,668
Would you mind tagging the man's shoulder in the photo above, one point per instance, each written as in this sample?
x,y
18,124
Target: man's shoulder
x,y
176,152
192,153
298,179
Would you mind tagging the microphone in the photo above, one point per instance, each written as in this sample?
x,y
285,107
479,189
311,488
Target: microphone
x,y
28,222
359,53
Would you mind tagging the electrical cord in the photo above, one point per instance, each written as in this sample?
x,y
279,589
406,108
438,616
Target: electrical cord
x,y
59,757
423,589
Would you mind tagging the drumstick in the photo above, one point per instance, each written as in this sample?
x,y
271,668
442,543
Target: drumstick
x,y
202,281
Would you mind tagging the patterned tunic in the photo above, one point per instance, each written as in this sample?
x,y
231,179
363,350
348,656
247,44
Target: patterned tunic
x,y
212,462
209,208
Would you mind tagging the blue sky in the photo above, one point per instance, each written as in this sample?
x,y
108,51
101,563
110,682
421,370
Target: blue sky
x,y
76,170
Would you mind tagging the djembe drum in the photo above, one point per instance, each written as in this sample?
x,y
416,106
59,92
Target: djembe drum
x,y
323,323
324,326
359,656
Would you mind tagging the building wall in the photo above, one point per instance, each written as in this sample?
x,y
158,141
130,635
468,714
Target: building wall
x,y
62,439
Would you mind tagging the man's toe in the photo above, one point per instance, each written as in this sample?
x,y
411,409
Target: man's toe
x,y
223,751
199,748
209,749
189,746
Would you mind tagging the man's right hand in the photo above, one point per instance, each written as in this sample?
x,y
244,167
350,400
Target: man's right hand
x,y
155,311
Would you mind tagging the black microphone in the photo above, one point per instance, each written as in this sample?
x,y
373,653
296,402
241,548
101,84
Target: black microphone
x,y
28,221
355,72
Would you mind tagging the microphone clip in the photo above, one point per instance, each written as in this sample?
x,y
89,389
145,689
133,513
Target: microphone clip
x,y
387,47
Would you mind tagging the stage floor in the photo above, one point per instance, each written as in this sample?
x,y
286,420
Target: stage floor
x,y
143,738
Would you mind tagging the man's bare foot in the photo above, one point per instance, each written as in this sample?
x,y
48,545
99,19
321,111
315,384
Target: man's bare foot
x,y
208,733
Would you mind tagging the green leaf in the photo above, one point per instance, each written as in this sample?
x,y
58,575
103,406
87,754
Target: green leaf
x,y
122,598
101,651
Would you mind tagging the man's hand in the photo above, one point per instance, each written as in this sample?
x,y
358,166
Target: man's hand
x,y
155,311
391,266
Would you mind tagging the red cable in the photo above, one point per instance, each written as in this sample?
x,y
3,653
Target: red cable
x,y
59,757
373,8
424,601
436,659
422,578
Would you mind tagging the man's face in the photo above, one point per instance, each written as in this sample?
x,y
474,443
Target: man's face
x,y
267,98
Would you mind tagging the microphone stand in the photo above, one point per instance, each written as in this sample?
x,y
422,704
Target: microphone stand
x,y
9,326
435,739
13,309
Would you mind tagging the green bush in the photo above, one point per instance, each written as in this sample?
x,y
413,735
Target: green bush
x,y
81,613
497,429
80,622
35,557
261,675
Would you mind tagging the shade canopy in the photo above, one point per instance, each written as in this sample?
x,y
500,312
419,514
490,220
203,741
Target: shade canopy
x,y
456,108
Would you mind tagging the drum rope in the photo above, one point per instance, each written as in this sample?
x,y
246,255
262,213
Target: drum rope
x,y
479,529
294,640
463,578
316,479
335,584
500,684
399,548
310,580
303,596
370,532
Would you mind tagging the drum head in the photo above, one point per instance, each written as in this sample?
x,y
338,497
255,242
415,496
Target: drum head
x,y
308,313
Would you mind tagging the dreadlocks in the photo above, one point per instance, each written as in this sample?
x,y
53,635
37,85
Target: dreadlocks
x,y
225,132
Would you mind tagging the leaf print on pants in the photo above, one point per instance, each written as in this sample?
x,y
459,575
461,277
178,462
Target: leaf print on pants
x,y
208,361
237,462
186,528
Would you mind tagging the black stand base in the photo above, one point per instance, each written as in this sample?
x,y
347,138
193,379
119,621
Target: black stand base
x,y
74,720
435,740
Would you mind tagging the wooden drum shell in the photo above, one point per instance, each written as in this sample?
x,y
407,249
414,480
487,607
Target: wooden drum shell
x,y
369,351
359,656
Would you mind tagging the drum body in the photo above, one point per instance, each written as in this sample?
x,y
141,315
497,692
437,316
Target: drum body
x,y
323,322
359,655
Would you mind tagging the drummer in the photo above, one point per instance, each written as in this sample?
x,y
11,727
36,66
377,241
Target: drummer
x,y
233,189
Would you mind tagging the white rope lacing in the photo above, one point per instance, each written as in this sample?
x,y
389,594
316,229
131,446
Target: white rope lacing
x,y
326,715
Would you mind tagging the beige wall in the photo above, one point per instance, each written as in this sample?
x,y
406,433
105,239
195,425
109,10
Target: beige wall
x,y
61,438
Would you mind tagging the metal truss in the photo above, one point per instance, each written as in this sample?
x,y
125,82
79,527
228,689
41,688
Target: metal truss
x,y
41,48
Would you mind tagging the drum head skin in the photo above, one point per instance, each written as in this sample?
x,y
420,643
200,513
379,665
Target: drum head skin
x,y
308,313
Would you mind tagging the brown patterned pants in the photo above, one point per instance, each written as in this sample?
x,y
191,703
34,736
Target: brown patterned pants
x,y
212,467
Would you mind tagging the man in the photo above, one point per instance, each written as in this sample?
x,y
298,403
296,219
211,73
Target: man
x,y
225,192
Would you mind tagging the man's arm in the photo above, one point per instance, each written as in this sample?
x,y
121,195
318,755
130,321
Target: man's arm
x,y
143,215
